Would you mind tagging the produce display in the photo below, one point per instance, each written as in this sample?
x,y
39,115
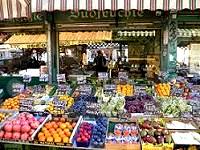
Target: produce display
x,y
125,90
163,89
99,132
126,133
11,103
69,100
57,130
112,105
154,132
84,135
23,127
136,103
174,106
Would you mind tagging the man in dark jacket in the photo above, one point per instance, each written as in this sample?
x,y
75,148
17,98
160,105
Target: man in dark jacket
x,y
100,62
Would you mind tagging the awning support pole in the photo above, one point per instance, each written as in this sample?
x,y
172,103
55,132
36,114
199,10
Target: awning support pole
x,y
52,52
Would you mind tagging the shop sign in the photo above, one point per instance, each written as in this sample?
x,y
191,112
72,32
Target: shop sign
x,y
102,75
61,78
26,105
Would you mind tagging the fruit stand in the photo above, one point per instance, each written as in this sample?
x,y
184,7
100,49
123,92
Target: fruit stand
x,y
103,115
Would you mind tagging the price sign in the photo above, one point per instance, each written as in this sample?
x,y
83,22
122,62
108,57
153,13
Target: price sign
x,y
61,78
27,78
64,89
26,105
81,80
123,76
103,76
44,77
17,88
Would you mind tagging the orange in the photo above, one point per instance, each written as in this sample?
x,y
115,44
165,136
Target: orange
x,y
52,130
68,134
63,126
70,127
66,130
44,129
58,140
58,123
49,139
61,133
55,135
58,130
48,125
67,124
42,139
40,135
53,123
65,140
62,119
55,126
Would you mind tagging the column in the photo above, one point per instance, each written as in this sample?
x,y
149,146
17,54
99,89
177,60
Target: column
x,y
52,51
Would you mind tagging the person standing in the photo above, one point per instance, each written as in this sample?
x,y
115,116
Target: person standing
x,y
100,63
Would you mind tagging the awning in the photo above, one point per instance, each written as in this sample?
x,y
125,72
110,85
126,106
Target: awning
x,y
27,41
136,33
14,9
65,38
63,5
188,32
77,38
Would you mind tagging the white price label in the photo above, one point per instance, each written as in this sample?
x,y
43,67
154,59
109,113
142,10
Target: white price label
x,y
27,78
44,78
103,76
61,78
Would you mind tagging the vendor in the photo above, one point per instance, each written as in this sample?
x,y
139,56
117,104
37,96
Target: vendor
x,y
100,63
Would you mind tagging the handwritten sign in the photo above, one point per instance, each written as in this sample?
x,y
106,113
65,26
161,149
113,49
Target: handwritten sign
x,y
44,78
110,88
27,78
17,88
26,105
103,76
61,78
123,76
64,89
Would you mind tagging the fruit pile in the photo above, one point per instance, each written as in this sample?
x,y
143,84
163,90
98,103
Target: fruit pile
x,y
153,132
99,133
124,133
136,103
56,107
174,106
4,116
69,100
180,89
58,130
21,128
84,135
125,90
80,106
163,89
11,103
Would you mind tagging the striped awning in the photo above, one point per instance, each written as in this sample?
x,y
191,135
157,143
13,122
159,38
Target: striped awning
x,y
63,5
136,33
10,9
188,32
76,38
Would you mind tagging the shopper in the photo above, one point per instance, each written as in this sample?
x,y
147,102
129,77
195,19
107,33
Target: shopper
x,y
100,63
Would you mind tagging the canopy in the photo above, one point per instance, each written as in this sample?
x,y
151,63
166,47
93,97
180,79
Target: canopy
x,y
27,41
65,38
14,9
76,38
63,5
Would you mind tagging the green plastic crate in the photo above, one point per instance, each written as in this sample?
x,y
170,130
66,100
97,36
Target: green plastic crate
x,y
13,147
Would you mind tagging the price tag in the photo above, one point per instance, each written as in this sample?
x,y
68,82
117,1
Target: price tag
x,y
103,76
139,90
110,88
17,88
150,108
196,111
61,78
123,76
44,77
82,80
64,89
27,78
26,105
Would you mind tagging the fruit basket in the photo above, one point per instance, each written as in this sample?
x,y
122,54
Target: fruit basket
x,y
122,135
22,127
154,135
91,133
58,130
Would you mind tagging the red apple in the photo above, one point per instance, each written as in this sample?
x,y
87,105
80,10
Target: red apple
x,y
1,134
16,136
8,135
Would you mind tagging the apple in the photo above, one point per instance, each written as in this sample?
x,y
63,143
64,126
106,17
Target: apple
x,y
24,136
16,127
35,124
1,134
8,135
16,136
